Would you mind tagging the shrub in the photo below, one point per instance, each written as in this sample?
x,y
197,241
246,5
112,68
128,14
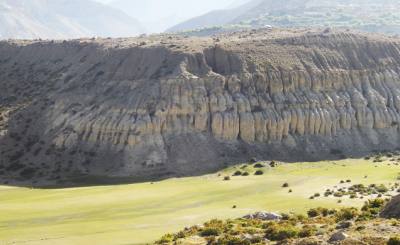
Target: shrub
x,y
372,208
308,231
168,238
376,203
258,165
212,228
232,240
259,172
210,232
279,232
360,228
237,173
179,235
257,240
245,174
346,214
325,212
285,185
394,241
226,178
312,213
381,188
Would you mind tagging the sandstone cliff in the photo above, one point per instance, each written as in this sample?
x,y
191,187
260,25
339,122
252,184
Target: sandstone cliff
x,y
170,105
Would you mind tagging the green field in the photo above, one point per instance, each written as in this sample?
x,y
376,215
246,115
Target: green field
x,y
141,213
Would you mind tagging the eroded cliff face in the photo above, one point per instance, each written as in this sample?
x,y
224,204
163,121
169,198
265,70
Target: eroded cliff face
x,y
164,106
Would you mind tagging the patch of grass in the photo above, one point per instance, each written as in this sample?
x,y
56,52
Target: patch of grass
x,y
320,221
141,213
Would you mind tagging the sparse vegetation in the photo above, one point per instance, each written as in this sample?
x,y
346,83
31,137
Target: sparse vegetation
x,y
306,179
320,221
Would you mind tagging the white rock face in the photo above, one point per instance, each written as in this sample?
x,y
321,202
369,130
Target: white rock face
x,y
264,216
163,106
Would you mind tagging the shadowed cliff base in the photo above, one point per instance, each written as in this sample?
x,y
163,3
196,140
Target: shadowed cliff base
x,y
165,106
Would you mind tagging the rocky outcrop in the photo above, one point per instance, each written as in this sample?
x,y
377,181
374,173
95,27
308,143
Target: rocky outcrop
x,y
263,216
167,105
392,209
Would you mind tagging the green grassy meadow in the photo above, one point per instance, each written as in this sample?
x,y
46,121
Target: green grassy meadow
x,y
142,213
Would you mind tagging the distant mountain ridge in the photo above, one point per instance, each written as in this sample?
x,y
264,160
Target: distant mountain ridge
x,y
369,15
56,19
159,15
215,18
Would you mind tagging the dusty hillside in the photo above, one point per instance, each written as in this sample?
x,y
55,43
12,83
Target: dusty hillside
x,y
166,105
380,16
57,19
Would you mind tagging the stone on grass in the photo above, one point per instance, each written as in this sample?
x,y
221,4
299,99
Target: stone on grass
x,y
338,236
263,216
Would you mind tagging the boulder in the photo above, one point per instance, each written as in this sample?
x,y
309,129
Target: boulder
x,y
344,225
263,216
338,236
392,209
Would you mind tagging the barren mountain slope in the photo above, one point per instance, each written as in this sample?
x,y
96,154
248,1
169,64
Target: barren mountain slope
x,y
168,105
367,15
158,16
63,19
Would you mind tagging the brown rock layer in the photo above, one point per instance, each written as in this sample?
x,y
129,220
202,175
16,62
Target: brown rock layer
x,y
163,105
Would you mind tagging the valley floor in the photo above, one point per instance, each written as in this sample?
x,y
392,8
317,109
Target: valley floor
x,y
142,213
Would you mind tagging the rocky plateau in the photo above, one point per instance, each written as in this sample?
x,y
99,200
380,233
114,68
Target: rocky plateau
x,y
166,105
